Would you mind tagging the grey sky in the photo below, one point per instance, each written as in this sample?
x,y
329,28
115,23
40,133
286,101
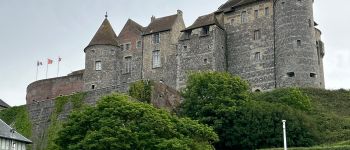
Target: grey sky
x,y
32,30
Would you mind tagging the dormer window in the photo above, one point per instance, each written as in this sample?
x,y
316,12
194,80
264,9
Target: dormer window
x,y
205,30
156,38
188,34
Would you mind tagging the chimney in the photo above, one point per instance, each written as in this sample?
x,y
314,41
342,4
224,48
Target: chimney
x,y
179,12
153,18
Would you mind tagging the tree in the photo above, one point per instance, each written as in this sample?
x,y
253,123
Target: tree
x,y
119,123
213,98
223,102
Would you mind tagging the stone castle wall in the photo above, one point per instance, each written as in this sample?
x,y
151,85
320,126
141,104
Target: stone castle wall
x,y
243,48
51,88
296,53
40,112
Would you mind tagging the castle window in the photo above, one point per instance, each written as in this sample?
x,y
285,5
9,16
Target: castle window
x,y
291,74
256,14
122,46
299,43
156,59
313,75
205,30
257,35
185,47
156,38
127,64
93,87
310,23
205,60
244,18
257,56
232,21
127,46
98,65
267,11
139,44
188,34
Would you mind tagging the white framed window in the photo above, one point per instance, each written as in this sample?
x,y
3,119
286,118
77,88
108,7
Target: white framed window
x,y
156,59
257,35
257,56
244,18
127,64
98,65
267,11
156,38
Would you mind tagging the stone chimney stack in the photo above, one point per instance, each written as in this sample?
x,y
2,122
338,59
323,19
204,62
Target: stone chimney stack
x,y
153,18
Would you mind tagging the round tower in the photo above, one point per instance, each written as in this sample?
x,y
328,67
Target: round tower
x,y
295,44
101,59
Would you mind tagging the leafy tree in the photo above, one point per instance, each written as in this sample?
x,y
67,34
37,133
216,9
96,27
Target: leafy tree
x,y
258,124
119,123
221,101
213,98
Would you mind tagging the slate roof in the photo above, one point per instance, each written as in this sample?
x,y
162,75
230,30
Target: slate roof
x,y
5,132
105,35
131,24
202,21
3,104
161,24
234,3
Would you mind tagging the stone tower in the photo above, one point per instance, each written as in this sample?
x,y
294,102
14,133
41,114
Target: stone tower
x,y
101,59
296,56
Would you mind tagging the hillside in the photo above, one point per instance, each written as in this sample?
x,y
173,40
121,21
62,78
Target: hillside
x,y
329,112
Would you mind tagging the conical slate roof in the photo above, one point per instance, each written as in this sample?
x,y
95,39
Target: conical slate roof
x,y
105,35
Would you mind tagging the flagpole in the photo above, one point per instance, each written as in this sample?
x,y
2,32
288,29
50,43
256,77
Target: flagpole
x,y
58,67
47,67
37,69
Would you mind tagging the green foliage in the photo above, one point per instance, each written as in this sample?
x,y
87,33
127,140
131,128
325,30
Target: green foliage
x,y
117,122
210,95
141,90
18,118
213,98
76,101
292,97
258,124
242,122
330,110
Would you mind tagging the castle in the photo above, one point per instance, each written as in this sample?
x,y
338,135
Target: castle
x,y
270,43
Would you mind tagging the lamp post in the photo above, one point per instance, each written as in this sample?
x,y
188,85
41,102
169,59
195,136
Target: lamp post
x,y
284,134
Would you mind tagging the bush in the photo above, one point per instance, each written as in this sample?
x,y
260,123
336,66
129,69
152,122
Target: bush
x,y
292,97
141,90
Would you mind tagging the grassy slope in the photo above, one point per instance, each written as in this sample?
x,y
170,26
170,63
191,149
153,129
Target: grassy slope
x,y
331,110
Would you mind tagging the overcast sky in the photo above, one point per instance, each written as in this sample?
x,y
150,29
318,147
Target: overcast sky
x,y
32,30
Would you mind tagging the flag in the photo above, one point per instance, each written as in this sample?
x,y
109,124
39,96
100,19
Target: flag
x,y
49,61
59,59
